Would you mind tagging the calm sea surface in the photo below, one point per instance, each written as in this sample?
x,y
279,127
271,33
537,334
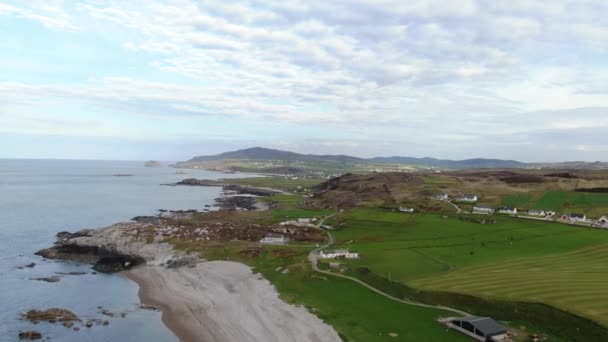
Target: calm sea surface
x,y
39,198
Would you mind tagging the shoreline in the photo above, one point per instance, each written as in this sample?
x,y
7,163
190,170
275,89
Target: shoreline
x,y
225,301
145,297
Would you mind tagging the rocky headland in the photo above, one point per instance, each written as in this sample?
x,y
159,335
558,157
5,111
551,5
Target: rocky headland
x,y
200,300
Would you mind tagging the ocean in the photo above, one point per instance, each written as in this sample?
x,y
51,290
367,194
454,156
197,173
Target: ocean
x,y
39,198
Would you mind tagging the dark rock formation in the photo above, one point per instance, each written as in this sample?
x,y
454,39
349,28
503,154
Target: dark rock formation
x,y
104,260
236,202
51,315
53,279
30,335
31,265
116,262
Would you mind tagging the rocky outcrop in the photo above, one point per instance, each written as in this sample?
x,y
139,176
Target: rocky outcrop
x,y
152,163
113,249
51,315
52,279
29,335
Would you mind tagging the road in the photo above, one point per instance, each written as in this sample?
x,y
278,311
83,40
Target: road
x,y
313,257
458,209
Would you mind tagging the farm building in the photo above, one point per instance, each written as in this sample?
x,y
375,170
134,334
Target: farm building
x,y
574,217
442,197
603,219
339,253
304,220
481,328
274,239
468,198
535,212
406,210
507,210
483,209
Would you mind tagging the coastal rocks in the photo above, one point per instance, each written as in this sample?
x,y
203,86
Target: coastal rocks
x,y
148,307
152,163
115,248
31,265
29,335
51,315
236,203
117,262
53,279
187,261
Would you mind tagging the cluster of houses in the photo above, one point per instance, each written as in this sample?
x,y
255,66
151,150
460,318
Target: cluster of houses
x,y
338,254
466,198
491,210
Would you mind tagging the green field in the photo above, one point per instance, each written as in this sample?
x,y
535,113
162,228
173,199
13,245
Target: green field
x,y
513,259
594,204
573,281
355,312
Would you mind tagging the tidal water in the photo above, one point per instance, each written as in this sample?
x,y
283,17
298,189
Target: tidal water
x,y
39,198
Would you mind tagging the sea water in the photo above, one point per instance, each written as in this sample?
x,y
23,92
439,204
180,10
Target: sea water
x,y
39,198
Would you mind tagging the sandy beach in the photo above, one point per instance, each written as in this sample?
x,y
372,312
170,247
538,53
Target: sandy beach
x,y
225,301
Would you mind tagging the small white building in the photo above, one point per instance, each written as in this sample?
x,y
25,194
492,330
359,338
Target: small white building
x,y
442,197
274,239
484,209
338,253
468,198
304,220
406,210
536,212
507,210
603,219
574,217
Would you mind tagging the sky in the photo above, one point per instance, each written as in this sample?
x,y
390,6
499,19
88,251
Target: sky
x,y
168,80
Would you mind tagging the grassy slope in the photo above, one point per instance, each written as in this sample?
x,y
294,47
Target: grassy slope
x,y
355,312
512,259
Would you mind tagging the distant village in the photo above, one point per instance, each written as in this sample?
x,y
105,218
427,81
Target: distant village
x,y
537,213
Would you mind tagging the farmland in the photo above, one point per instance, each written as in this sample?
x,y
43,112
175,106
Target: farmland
x,y
510,260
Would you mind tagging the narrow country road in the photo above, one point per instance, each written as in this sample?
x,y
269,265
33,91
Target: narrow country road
x,y
313,257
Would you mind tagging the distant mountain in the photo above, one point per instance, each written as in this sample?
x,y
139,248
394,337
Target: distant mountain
x,y
477,163
260,153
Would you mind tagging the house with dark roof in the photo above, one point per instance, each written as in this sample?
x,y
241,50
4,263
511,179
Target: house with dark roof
x,y
483,209
480,328
507,210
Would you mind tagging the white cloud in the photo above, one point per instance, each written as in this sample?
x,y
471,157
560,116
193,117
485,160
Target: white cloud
x,y
425,69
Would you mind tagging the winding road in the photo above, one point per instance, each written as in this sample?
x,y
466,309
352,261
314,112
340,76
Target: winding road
x,y
313,257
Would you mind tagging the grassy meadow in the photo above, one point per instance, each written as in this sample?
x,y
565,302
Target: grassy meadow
x,y
512,259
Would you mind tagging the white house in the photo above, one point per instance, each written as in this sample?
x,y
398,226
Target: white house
x,y
442,197
339,253
603,219
483,209
274,239
304,220
574,217
535,212
507,210
468,198
406,210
